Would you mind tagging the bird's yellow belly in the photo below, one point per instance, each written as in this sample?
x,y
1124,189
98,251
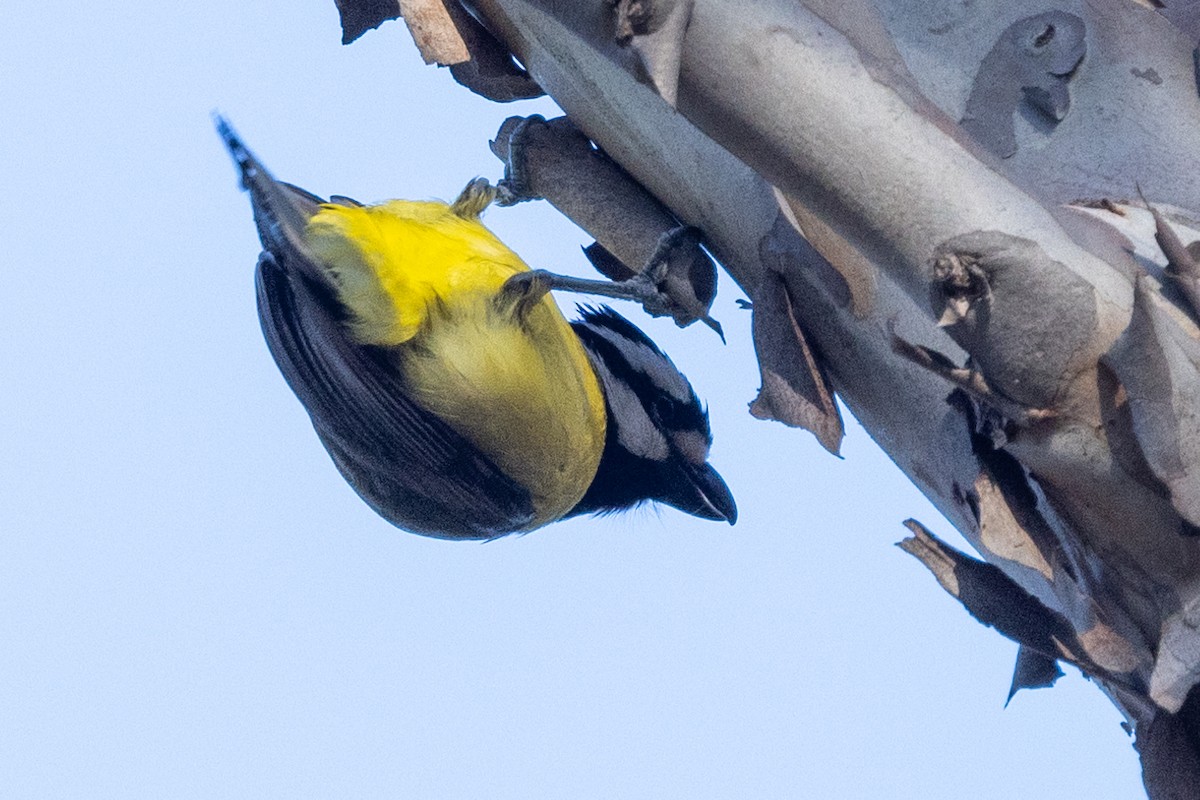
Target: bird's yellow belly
x,y
425,284
523,392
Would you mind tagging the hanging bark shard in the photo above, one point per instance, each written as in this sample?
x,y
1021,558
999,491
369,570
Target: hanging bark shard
x,y
434,31
997,601
360,16
1183,267
491,71
447,35
1159,367
989,595
855,275
1033,670
794,390
654,31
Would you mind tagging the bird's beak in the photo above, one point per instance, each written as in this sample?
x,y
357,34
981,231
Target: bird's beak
x,y
709,497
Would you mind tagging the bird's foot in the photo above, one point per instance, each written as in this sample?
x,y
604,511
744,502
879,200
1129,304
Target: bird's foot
x,y
515,187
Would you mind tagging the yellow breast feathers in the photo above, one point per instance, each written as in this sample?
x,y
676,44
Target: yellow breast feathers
x,y
423,282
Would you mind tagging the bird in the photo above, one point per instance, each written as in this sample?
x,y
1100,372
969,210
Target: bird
x,y
447,387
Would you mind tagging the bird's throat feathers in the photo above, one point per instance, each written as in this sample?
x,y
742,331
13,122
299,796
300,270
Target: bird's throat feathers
x,y
423,283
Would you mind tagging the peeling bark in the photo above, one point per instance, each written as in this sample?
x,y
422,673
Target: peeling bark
x,y
654,31
433,29
794,389
1033,671
360,16
1031,62
634,231
1018,335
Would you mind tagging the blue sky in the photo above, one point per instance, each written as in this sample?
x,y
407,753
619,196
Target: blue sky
x,y
194,604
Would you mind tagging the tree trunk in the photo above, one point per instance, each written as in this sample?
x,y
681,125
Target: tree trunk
x,y
935,210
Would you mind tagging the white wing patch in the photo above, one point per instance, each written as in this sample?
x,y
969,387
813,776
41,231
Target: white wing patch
x,y
636,432
643,359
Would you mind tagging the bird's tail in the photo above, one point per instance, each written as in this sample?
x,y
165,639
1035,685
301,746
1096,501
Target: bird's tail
x,y
281,211
247,164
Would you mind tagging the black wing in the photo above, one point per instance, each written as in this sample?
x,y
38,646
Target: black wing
x,y
406,463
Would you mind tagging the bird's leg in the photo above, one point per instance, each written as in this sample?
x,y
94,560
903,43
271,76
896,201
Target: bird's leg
x,y
524,290
645,287
640,289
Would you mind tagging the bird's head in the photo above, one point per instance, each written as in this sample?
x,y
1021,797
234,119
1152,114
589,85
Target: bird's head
x,y
658,437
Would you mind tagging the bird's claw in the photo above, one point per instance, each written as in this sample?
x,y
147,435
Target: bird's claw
x,y
515,186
